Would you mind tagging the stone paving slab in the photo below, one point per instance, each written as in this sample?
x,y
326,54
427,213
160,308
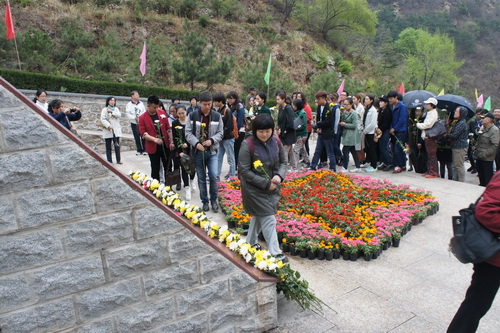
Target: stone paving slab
x,y
414,288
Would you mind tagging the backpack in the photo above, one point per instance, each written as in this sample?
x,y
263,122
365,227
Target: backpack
x,y
236,133
471,241
298,123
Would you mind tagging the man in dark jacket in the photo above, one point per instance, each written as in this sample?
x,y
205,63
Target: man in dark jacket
x,y
325,129
384,121
227,143
399,131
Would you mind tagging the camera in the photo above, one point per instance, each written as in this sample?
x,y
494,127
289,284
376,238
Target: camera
x,y
73,110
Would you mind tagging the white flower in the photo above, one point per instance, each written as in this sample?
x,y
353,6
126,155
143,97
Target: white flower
x,y
262,265
233,246
162,116
157,121
248,257
244,249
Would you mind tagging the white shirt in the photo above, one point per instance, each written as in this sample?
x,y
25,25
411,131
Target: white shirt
x,y
430,119
133,111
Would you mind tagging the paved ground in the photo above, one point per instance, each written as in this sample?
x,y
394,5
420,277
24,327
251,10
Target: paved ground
x,y
414,288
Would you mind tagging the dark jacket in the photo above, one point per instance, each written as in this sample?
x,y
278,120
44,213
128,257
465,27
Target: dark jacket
x,y
301,131
459,133
325,121
215,130
239,111
385,119
285,124
257,198
179,135
64,118
227,119
488,211
487,143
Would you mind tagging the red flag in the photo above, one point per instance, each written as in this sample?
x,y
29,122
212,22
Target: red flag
x,y
401,89
11,33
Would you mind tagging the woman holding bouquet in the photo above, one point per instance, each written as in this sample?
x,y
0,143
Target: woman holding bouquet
x,y
183,149
261,166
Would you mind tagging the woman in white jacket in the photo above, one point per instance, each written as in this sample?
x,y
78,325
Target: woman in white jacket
x,y
369,125
110,119
431,117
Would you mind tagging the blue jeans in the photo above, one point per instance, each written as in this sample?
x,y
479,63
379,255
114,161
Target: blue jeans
x,y
385,148
205,160
326,143
227,146
399,154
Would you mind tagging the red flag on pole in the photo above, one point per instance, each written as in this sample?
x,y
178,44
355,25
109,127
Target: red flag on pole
x,y
142,67
9,23
401,89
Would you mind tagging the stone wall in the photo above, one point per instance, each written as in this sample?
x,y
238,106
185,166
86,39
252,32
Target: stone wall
x,y
85,249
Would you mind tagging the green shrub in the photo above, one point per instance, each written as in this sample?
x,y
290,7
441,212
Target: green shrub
x,y
345,67
26,80
203,21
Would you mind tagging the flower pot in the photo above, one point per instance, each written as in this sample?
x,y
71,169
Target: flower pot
x,y
285,247
385,246
414,221
311,255
336,254
231,224
293,250
353,256
303,253
345,255
395,242
374,255
409,226
368,256
320,254
329,256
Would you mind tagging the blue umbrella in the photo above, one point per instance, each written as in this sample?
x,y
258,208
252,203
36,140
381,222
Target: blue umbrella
x,y
415,98
451,102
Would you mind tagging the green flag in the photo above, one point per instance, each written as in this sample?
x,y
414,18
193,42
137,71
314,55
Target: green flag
x,y
268,72
487,104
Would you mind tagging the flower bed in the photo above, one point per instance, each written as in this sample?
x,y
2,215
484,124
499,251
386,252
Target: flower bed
x,y
291,284
325,212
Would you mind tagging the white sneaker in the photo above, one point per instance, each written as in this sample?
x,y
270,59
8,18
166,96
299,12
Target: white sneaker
x,y
193,186
364,165
343,170
370,169
355,170
187,189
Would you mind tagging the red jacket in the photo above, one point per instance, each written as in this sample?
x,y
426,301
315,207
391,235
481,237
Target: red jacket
x,y
146,125
488,211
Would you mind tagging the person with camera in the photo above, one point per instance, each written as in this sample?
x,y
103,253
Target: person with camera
x,y
110,120
64,116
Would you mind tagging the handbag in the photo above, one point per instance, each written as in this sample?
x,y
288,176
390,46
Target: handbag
x,y
471,241
188,164
172,177
298,123
436,131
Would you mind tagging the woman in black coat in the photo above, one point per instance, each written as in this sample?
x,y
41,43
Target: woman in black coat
x,y
286,131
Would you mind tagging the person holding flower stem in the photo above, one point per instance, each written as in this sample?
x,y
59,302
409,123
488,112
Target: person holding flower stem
x,y
183,148
204,132
262,167
155,129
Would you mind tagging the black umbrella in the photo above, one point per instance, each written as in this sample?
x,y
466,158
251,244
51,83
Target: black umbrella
x,y
415,98
451,102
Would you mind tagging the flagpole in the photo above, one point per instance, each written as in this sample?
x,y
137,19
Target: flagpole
x,y
17,52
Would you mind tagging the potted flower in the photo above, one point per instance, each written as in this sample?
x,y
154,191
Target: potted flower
x,y
396,237
328,253
320,252
301,248
311,253
293,249
368,251
285,246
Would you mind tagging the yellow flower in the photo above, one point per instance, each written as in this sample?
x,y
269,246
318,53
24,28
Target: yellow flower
x,y
257,164
178,127
203,125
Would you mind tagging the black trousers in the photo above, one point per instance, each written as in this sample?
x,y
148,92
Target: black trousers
x,y
478,299
484,171
110,143
371,150
237,145
155,160
139,142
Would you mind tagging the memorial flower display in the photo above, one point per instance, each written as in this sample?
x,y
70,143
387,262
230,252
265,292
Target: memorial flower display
x,y
324,210
291,284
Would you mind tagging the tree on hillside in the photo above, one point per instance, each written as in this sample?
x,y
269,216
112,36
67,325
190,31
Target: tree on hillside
x,y
197,62
429,58
332,18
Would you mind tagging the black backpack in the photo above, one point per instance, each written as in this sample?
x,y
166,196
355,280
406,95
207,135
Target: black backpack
x,y
471,241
